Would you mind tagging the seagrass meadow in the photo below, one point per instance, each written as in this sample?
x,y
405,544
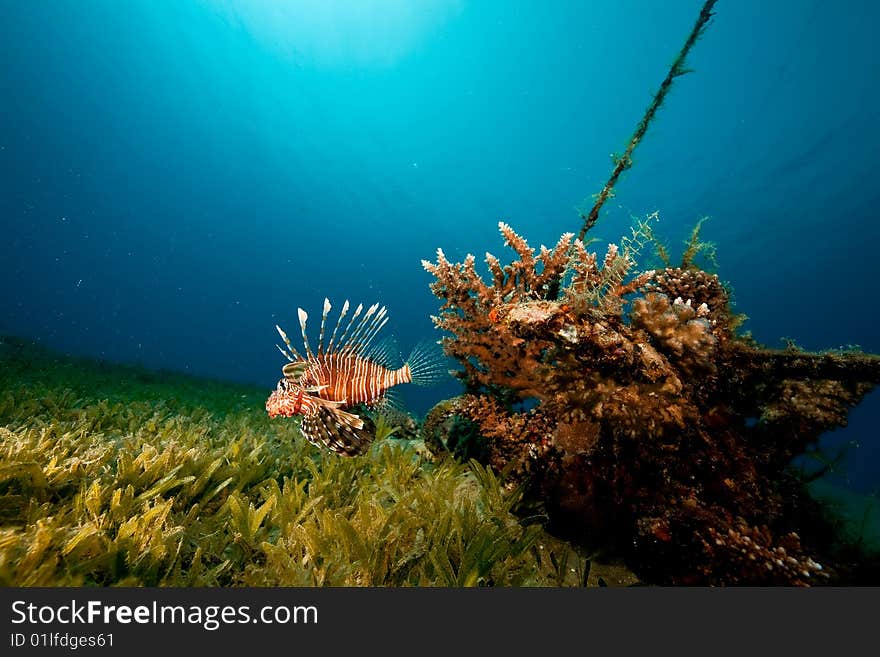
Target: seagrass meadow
x,y
118,476
114,475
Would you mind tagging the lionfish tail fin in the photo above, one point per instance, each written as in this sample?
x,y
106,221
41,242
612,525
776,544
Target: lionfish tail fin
x,y
339,431
427,364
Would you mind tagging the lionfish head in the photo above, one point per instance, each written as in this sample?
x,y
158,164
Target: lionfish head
x,y
286,400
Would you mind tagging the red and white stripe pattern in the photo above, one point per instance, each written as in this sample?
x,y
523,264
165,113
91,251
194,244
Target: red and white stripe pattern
x,y
320,385
352,379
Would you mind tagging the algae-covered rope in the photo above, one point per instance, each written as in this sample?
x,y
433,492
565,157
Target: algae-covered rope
x,y
624,162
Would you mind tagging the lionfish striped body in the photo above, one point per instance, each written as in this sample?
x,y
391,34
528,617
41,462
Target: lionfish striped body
x,y
323,385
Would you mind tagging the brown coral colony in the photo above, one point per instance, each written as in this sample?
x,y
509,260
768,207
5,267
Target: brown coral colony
x,y
627,403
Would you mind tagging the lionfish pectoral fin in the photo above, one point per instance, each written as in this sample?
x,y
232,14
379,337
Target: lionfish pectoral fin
x,y
337,430
350,419
329,403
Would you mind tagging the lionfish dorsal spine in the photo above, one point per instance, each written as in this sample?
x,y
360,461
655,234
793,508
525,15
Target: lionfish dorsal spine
x,y
284,353
379,321
371,322
344,337
357,335
303,316
327,308
293,354
336,328
354,337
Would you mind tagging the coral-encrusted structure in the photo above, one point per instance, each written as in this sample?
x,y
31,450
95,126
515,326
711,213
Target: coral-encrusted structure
x,y
651,422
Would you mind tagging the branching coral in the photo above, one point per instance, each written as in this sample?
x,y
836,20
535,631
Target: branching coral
x,y
510,320
655,424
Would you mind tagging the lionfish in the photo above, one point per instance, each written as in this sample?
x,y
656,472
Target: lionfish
x,y
324,385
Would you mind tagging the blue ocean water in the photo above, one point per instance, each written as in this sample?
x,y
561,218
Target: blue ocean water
x,y
177,176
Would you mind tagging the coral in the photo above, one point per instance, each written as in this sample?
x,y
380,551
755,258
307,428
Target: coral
x,y
678,329
627,404
756,560
696,288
